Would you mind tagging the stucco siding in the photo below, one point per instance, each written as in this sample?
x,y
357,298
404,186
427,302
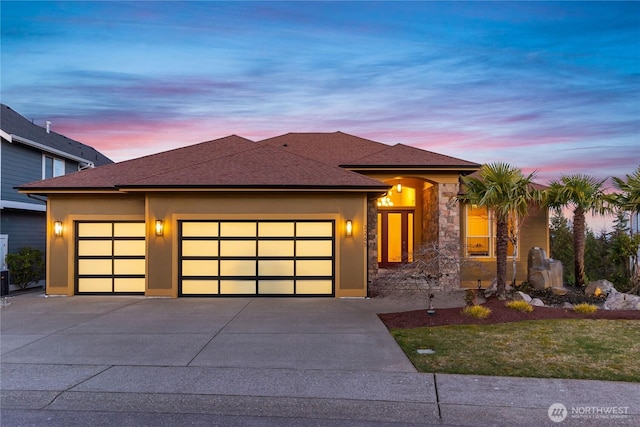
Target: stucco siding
x,y
350,275
71,208
162,270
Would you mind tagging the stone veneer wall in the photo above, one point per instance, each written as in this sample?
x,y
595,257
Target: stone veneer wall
x,y
372,241
441,226
430,215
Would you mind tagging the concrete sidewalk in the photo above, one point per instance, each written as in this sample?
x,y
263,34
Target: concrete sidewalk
x,y
248,361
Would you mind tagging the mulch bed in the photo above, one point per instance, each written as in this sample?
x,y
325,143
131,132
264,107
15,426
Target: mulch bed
x,y
499,314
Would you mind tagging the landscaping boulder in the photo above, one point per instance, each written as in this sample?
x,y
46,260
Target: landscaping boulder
x,y
543,272
599,287
567,305
539,279
621,301
536,302
521,296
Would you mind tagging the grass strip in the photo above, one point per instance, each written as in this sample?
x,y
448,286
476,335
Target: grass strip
x,y
560,348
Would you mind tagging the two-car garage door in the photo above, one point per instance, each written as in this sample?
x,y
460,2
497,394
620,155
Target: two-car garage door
x,y
256,258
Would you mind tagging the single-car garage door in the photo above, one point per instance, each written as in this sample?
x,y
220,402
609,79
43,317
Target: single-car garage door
x,y
256,258
110,257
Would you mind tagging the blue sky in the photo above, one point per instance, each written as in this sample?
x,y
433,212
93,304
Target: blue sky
x,y
549,86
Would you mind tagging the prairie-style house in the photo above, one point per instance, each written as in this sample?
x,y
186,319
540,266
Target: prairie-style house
x,y
301,214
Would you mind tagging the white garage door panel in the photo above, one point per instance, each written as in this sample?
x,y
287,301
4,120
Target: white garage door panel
x,y
256,257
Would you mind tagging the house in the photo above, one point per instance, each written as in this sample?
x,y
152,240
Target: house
x,y
29,152
302,214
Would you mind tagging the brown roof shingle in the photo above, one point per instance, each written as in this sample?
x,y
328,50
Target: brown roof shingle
x,y
331,148
341,149
231,162
404,155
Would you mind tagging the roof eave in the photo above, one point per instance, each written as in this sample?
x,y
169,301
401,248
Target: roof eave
x,y
291,188
50,150
66,190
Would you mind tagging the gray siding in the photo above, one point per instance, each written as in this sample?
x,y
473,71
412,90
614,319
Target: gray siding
x,y
70,166
25,228
20,164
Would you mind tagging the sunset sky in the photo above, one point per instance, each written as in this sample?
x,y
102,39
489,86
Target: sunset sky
x,y
542,85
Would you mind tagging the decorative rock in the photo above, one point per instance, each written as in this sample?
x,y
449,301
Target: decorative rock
x,y
536,302
543,272
621,301
567,305
521,296
598,287
559,291
539,279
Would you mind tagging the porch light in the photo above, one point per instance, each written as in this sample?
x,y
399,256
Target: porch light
x,y
349,228
399,187
159,227
57,228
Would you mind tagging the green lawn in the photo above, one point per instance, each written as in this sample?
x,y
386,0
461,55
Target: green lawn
x,y
568,348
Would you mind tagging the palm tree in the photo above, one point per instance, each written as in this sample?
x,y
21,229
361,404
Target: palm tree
x,y
629,197
628,200
582,194
503,189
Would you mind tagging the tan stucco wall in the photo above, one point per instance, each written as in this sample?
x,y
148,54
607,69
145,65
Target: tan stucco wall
x,y
162,279
70,208
534,233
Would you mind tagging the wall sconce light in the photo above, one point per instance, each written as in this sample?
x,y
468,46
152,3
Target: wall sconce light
x,y
349,228
399,188
159,227
57,228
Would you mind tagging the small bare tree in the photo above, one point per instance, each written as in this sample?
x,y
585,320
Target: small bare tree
x,y
430,265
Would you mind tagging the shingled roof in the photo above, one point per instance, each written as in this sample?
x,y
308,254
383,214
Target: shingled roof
x,y
230,162
18,126
341,149
401,155
329,148
291,161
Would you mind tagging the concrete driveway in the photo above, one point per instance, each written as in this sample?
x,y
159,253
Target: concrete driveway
x,y
243,361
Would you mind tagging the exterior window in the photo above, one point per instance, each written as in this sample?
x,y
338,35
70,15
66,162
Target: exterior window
x,y
481,233
52,167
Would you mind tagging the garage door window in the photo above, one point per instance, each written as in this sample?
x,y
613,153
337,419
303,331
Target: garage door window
x,y
256,257
110,257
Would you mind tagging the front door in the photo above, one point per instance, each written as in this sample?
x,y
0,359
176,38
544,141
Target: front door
x,y
395,230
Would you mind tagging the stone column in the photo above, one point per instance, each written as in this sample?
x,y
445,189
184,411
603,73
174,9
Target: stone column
x,y
372,241
441,228
449,233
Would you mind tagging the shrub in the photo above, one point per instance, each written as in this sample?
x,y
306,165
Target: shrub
x,y
26,266
476,311
523,306
470,297
585,308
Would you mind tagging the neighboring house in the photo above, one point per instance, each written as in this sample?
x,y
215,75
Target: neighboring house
x,y
304,214
30,152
